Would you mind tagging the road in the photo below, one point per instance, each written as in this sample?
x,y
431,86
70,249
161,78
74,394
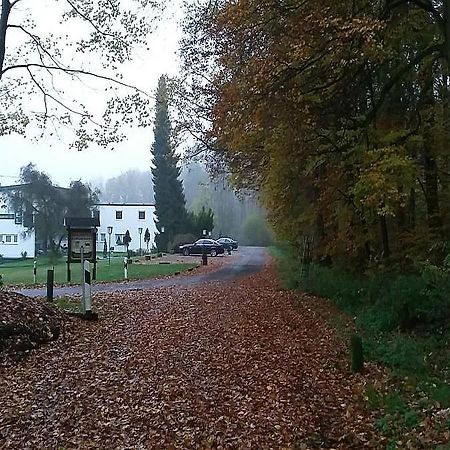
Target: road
x,y
250,260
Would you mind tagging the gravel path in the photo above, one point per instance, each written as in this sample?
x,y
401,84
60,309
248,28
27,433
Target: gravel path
x,y
246,260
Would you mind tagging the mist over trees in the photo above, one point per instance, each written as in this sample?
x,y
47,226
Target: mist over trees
x,y
132,186
233,214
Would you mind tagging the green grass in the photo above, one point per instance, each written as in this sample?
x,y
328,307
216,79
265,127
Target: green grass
x,y
21,272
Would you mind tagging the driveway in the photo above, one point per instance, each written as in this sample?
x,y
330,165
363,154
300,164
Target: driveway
x,y
249,260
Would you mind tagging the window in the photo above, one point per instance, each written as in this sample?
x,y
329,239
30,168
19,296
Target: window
x,y
18,218
8,238
119,215
102,237
15,238
7,216
119,239
141,214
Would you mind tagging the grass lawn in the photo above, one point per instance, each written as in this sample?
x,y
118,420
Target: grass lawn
x,y
21,272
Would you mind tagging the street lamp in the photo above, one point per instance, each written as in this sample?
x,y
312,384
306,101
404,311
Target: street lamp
x,y
110,230
140,241
204,232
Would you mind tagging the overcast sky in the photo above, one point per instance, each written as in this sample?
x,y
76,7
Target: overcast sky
x,y
63,164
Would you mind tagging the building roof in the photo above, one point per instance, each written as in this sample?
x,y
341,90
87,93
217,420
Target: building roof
x,y
12,187
124,204
81,222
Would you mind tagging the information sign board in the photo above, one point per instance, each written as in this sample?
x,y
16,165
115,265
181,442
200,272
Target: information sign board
x,y
81,239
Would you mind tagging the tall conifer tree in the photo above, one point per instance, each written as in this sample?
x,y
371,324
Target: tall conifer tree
x,y
170,203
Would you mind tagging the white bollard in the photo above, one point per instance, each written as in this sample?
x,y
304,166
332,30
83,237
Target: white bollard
x,y
87,289
125,267
34,272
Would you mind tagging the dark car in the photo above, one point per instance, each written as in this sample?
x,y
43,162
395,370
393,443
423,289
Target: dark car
x,y
228,243
211,247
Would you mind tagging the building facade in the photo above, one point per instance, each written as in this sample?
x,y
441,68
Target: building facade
x,y
134,217
16,240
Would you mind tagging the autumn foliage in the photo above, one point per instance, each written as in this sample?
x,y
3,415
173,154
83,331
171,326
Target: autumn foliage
x,y
338,113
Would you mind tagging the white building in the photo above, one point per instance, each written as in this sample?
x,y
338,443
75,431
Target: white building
x,y
16,241
122,217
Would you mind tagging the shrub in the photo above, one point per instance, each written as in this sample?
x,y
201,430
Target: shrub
x,y
180,239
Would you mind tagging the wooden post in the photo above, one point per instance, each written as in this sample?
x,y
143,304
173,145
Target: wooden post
x,y
357,355
68,270
204,257
50,279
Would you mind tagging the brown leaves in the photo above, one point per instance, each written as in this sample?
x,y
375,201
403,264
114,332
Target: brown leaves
x,y
25,323
238,365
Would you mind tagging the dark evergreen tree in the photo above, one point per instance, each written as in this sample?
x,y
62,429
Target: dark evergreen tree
x,y
147,237
170,204
126,241
203,220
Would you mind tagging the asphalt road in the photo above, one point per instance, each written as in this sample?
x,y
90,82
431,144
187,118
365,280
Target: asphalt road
x,y
250,260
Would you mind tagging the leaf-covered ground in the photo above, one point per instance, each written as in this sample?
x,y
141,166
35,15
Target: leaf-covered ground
x,y
226,365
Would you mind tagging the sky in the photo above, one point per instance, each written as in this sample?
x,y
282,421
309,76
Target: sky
x,y
53,155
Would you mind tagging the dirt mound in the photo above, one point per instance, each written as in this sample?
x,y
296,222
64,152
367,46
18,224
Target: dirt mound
x,y
26,323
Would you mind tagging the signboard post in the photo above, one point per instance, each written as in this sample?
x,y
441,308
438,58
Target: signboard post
x,y
81,232
82,243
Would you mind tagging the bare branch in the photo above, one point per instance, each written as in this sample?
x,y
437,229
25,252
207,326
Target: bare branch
x,y
14,3
74,72
38,43
68,108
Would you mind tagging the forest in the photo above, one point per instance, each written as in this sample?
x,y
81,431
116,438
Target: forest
x,y
338,114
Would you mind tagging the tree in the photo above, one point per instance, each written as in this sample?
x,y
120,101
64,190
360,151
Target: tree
x,y
170,203
203,220
337,113
43,62
126,241
43,206
147,237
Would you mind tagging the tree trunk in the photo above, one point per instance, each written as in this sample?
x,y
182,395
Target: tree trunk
x,y
447,36
385,251
6,9
412,209
429,160
431,188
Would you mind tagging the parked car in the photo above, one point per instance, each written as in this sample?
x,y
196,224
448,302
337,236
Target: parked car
x,y
228,243
211,247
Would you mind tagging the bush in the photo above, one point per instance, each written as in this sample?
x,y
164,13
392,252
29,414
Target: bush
x,y
402,318
180,239
385,301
